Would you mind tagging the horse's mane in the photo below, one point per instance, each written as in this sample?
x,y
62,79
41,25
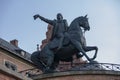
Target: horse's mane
x,y
74,22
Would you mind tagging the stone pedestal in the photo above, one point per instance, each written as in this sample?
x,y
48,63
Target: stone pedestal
x,y
80,75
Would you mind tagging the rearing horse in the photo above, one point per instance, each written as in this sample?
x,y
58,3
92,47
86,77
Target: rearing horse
x,y
74,42
76,37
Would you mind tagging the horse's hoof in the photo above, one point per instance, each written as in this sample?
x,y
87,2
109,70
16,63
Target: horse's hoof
x,y
48,71
79,55
56,70
93,62
58,49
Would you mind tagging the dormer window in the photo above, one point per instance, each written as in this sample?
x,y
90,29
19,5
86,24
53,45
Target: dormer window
x,y
22,53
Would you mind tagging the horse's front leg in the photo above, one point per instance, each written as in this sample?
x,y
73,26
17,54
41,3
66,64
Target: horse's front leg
x,y
79,48
90,48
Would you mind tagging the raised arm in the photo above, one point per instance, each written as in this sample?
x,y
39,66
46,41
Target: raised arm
x,y
43,19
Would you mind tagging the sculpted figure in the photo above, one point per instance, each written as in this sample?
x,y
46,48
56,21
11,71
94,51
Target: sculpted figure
x,y
59,28
65,42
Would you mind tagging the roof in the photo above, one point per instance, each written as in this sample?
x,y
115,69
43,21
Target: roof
x,y
15,50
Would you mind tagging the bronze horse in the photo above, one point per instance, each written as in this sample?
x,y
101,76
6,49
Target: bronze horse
x,y
74,42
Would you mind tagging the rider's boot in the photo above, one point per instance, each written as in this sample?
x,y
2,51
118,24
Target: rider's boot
x,y
48,70
60,43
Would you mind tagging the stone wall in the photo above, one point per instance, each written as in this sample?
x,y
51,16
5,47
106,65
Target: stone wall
x,y
7,74
7,77
80,75
20,63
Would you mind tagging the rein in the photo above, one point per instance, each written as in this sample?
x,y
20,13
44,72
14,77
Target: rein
x,y
83,31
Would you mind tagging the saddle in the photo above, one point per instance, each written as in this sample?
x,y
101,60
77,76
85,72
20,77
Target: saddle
x,y
55,43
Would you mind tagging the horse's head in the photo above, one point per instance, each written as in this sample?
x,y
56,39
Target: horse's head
x,y
83,22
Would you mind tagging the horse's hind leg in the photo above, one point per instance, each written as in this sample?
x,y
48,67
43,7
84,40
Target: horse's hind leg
x,y
54,64
61,41
36,60
50,57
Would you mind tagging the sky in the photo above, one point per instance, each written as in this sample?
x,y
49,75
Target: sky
x,y
16,22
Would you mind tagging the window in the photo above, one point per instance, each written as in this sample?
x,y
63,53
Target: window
x,y
23,53
10,65
7,64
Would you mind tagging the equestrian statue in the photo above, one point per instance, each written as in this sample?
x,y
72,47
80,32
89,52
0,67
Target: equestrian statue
x,y
65,42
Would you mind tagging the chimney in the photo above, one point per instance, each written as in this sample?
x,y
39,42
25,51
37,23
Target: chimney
x,y
37,47
14,42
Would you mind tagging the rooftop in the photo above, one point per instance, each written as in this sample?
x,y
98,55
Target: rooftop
x,y
15,50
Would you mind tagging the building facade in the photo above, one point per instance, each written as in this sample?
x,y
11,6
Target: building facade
x,y
13,60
